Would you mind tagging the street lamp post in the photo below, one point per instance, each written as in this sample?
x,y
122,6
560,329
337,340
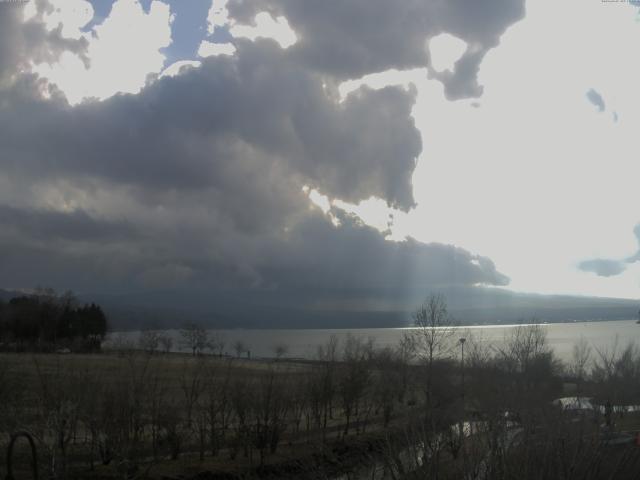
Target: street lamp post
x,y
462,340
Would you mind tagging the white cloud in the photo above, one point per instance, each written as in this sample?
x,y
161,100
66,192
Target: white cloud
x,y
71,14
317,199
177,67
380,80
445,50
123,51
209,49
266,27
373,212
218,15
322,202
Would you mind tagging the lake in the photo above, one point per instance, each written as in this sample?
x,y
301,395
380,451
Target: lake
x,y
303,343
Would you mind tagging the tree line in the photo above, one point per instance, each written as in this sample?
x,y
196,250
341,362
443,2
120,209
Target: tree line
x,y
46,321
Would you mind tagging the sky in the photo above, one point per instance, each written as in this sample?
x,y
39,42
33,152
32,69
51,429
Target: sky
x,y
333,155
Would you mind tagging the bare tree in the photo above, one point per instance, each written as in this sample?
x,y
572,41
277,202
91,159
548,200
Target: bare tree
x,y
166,342
580,357
217,405
239,347
60,394
525,344
193,385
405,354
324,387
477,351
616,373
194,337
216,343
299,395
354,377
242,397
433,334
280,350
155,410
604,364
433,328
269,411
149,341
120,342
529,362
388,380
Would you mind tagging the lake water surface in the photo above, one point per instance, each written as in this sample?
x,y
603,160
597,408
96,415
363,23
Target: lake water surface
x,y
303,343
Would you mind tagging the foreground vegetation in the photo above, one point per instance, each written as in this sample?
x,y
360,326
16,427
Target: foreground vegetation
x,y
434,406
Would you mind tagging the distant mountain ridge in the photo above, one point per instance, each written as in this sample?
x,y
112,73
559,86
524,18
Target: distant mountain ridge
x,y
234,309
474,305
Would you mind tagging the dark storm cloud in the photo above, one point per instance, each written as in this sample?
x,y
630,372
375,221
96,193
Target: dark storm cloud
x,y
458,84
48,226
196,182
213,119
352,39
603,267
312,256
318,254
608,267
596,99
